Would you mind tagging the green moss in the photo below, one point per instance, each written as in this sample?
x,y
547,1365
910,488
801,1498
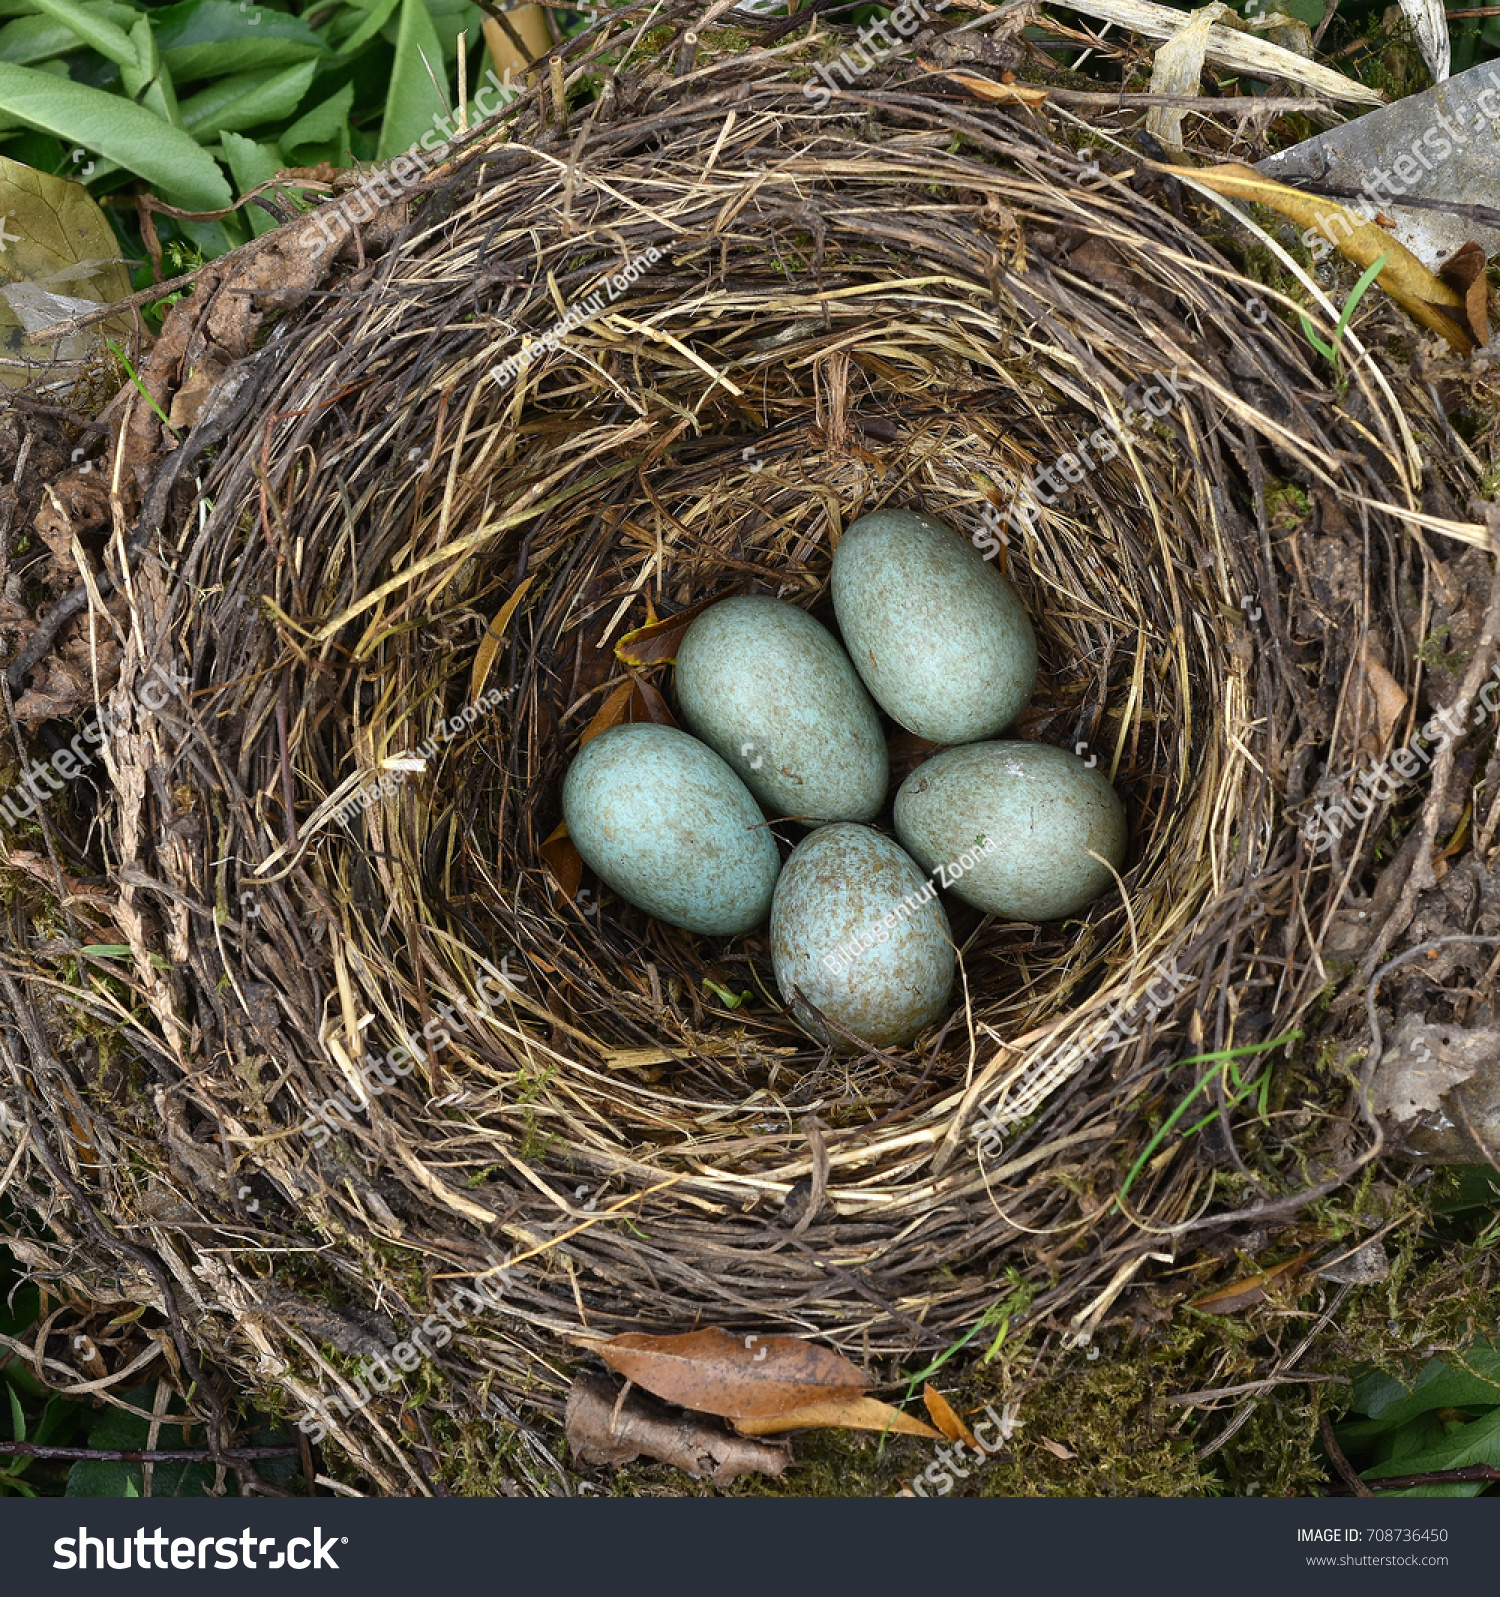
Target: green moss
x,y
534,1142
1436,657
1287,505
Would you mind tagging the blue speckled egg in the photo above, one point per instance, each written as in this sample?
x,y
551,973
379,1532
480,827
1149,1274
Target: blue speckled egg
x,y
665,822
770,690
939,636
1026,815
858,928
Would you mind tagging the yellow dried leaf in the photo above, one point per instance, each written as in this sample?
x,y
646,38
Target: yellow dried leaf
x,y
58,256
1178,70
1422,295
844,1413
988,89
944,1417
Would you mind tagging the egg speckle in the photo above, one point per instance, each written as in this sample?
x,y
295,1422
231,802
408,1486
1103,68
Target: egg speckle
x,y
773,693
665,823
1038,810
939,636
857,931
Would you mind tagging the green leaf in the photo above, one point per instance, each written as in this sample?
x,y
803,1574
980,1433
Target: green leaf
x,y
379,15
413,103
251,165
450,18
30,39
98,1477
59,1415
119,950
108,38
1374,1392
246,100
1475,1443
213,239
148,82
1464,1380
136,73
1465,1186
18,1314
115,1429
118,130
327,120
1308,11
208,38
17,1418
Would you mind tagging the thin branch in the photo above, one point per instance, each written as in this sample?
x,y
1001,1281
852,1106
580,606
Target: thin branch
x,y
1213,1394
1204,104
150,1455
1432,1477
1346,1470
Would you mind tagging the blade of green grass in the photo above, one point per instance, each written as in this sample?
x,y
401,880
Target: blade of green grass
x,y
1221,1062
1330,352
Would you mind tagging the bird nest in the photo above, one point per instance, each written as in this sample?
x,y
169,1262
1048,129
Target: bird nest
x,y
377,1034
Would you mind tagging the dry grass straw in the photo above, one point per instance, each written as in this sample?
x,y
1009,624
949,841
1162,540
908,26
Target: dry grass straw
x,y
913,309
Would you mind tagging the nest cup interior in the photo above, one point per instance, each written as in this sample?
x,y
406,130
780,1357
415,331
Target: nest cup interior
x,y
714,492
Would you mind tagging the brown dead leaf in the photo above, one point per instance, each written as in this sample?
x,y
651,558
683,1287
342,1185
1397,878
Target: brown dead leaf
x,y
842,1413
197,388
944,1418
494,636
1464,271
1250,1289
1419,292
1377,701
610,713
323,172
1422,1064
988,89
629,702
905,751
598,1434
62,685
73,892
563,860
75,506
1099,261
725,1372
656,643
1056,1449
646,704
